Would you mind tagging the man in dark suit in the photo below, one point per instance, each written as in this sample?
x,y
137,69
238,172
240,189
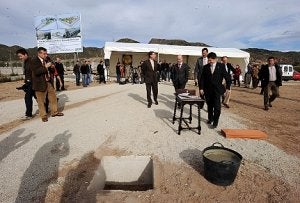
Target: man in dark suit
x,y
100,70
230,71
149,72
29,92
271,78
211,86
61,72
201,61
180,73
41,83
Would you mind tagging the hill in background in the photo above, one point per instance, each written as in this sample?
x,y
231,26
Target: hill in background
x,y
178,42
257,55
9,53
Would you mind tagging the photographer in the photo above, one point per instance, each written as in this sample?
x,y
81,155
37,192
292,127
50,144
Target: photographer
x,y
27,87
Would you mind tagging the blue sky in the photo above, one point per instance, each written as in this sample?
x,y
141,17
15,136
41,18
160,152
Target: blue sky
x,y
269,24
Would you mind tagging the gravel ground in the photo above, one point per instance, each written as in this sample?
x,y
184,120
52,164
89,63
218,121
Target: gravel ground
x,y
115,116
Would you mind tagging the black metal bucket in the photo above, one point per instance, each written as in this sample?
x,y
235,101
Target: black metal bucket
x,y
220,164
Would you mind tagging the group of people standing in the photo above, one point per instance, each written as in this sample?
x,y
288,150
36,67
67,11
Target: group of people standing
x,y
85,73
128,73
252,75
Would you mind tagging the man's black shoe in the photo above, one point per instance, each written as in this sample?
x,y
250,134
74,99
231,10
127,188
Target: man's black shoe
x,y
149,105
266,108
209,122
156,102
215,125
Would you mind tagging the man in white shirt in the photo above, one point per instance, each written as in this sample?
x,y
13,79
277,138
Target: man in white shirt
x,y
270,76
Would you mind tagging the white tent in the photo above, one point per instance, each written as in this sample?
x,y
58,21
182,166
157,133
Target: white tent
x,y
114,51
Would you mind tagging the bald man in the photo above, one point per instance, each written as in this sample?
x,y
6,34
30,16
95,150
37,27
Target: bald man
x,y
180,73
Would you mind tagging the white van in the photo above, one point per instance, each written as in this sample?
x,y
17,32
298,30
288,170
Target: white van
x,y
287,71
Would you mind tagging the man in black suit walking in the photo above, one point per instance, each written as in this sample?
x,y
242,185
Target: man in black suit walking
x,y
180,73
271,79
149,72
211,87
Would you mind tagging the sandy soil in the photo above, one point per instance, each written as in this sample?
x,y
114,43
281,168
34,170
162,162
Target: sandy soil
x,y
172,183
9,92
185,182
281,122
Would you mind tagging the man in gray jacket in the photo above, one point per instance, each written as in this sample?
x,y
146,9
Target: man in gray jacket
x,y
201,61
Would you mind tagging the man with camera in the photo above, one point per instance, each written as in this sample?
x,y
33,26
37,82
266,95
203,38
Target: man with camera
x,y
27,87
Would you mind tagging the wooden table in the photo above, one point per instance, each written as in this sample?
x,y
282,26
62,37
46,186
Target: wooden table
x,y
182,100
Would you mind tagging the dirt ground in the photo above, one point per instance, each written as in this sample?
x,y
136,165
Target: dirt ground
x,y
281,122
185,182
9,92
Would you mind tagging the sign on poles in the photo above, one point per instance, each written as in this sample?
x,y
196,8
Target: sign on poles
x,y
59,33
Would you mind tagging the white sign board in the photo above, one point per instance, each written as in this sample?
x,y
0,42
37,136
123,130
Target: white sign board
x,y
59,33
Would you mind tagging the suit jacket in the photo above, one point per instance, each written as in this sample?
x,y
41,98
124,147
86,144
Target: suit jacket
x,y
180,74
210,83
198,68
264,75
60,68
230,69
100,69
150,75
39,82
27,71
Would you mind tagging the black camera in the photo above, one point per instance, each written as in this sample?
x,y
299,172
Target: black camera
x,y
23,87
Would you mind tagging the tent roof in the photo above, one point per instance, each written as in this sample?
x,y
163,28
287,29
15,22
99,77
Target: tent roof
x,y
171,50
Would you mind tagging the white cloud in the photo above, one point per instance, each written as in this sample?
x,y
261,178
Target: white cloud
x,y
220,23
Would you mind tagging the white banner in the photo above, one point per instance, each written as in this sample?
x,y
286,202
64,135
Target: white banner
x,y
59,33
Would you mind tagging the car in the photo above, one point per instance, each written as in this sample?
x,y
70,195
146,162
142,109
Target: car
x,y
287,71
296,75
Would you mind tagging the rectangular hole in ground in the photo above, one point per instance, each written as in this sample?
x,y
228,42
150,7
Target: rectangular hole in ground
x,y
129,173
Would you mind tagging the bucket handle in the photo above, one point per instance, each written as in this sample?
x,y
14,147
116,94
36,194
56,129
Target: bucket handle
x,y
217,143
